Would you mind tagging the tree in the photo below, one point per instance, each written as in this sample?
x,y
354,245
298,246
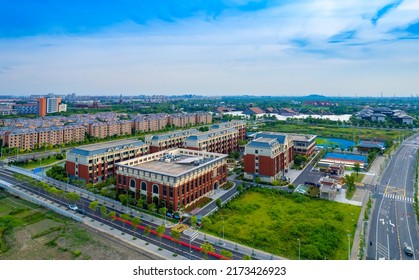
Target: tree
x,y
218,202
205,221
258,180
206,248
247,257
350,182
147,231
151,207
194,220
357,168
175,235
160,231
112,215
135,223
226,253
163,211
125,217
72,197
103,211
93,206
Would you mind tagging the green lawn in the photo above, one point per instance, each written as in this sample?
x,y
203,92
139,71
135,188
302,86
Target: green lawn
x,y
359,178
273,222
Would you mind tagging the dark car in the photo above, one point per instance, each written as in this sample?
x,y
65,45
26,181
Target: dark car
x,y
81,211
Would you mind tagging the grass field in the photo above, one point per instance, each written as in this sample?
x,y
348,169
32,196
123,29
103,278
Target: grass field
x,y
273,222
30,232
349,133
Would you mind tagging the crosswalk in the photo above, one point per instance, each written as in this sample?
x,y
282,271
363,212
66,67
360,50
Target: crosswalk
x,y
398,197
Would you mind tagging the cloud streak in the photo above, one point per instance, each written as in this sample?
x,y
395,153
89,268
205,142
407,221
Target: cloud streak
x,y
231,46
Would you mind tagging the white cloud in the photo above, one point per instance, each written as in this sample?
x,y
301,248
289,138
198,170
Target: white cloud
x,y
252,53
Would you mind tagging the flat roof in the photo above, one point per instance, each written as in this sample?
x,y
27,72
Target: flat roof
x,y
111,144
183,164
100,148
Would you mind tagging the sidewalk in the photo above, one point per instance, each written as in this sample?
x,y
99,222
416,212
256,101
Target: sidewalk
x,y
128,238
234,247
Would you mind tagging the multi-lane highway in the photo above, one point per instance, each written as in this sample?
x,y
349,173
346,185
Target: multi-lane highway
x,y
393,220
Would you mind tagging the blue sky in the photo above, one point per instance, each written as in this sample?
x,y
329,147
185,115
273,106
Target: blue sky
x,y
261,47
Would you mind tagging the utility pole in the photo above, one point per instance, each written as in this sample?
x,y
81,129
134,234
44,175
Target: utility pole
x,y
349,246
299,249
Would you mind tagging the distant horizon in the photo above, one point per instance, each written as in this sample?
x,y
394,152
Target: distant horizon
x,y
360,96
260,47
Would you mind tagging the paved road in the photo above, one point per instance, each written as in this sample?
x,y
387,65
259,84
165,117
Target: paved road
x,y
393,219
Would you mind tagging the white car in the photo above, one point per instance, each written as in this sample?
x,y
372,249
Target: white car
x,y
73,207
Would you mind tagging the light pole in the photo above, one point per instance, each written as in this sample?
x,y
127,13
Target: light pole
x,y
299,249
349,246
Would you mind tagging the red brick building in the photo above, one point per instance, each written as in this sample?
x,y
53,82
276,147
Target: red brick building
x,y
96,162
268,157
173,177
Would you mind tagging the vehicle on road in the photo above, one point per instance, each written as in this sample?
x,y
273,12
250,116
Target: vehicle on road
x,y
73,207
408,249
81,211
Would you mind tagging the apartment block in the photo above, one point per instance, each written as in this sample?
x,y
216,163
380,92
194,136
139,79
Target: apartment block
x,y
169,140
96,162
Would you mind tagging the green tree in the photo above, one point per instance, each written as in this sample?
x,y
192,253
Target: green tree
x,y
258,180
135,223
125,218
72,197
151,207
160,231
206,248
103,211
175,235
205,221
93,206
247,257
112,215
194,220
147,231
357,168
218,202
163,211
227,254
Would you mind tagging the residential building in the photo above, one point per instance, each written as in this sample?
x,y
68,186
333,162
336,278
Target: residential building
x,y
96,162
169,140
304,144
268,157
26,109
173,177
42,107
223,141
329,188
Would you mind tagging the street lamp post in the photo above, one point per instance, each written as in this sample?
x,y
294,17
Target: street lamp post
x,y
349,246
299,249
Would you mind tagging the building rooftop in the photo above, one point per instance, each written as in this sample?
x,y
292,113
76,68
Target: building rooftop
x,y
173,167
100,148
174,162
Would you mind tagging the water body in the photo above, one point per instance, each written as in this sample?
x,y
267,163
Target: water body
x,y
332,142
301,116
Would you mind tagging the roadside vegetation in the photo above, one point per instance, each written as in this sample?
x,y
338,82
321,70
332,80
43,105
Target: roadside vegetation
x,y
35,163
273,221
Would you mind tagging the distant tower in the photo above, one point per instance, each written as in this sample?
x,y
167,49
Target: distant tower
x,y
381,95
120,99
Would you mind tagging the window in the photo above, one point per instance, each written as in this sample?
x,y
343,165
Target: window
x,y
143,186
165,190
132,183
256,151
155,189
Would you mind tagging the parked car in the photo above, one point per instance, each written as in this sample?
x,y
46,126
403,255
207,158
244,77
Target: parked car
x,y
408,249
81,211
73,207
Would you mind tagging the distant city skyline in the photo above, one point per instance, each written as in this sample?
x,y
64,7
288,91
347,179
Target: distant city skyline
x,y
210,48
